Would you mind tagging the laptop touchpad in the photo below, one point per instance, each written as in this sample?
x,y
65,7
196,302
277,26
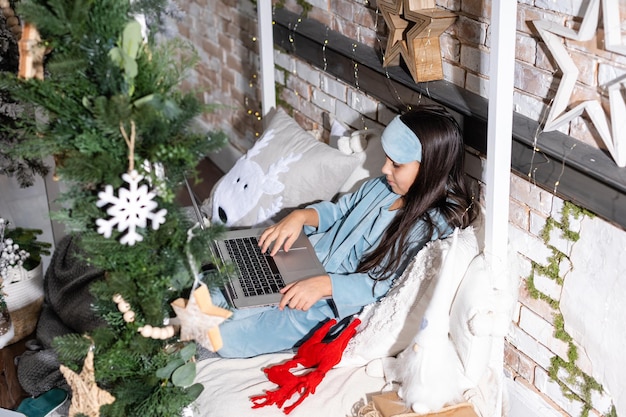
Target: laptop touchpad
x,y
297,259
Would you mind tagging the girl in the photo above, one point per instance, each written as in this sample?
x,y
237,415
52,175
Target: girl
x,y
366,239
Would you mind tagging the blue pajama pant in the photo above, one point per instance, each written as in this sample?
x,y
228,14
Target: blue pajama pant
x,y
257,330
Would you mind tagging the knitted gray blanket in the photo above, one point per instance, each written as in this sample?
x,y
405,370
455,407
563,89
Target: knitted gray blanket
x,y
66,309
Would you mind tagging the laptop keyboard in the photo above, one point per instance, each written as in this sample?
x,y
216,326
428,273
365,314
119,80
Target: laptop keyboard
x,y
258,272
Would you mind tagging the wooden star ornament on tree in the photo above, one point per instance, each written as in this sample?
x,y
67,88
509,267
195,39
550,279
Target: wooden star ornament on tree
x,y
199,318
87,397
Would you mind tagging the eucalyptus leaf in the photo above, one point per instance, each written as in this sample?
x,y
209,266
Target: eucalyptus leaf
x,y
116,56
132,39
184,376
130,68
167,370
195,390
188,352
143,100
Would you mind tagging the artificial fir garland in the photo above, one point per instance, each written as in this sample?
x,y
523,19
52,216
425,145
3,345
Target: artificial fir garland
x,y
89,97
24,170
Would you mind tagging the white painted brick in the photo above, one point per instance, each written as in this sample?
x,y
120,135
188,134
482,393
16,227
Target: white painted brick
x,y
347,114
530,246
527,105
474,59
323,100
565,267
537,223
516,313
385,114
542,331
532,80
582,362
311,111
523,266
522,190
285,61
530,347
558,240
601,401
535,197
526,402
545,384
362,103
453,73
525,48
575,223
548,286
477,84
557,208
322,4
279,76
334,88
308,73
571,7
573,383
518,214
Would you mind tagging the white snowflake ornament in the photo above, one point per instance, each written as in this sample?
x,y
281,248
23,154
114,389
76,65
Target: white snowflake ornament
x,y
130,209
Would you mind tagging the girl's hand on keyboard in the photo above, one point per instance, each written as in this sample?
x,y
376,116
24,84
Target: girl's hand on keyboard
x,y
285,232
301,295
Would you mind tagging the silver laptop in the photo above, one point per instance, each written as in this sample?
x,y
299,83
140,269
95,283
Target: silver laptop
x,y
259,277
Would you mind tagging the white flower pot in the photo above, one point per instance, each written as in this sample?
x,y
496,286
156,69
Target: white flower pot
x,y
7,330
23,293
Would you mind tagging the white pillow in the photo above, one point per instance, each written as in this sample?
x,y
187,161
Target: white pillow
x,y
286,168
363,144
389,326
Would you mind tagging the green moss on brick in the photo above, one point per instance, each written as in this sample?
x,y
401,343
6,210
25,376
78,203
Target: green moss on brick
x,y
575,376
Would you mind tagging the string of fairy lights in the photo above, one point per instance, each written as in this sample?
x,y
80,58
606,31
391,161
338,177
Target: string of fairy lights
x,y
325,44
293,28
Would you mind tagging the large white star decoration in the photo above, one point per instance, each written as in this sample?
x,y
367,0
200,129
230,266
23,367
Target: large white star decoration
x,y
132,208
610,130
199,318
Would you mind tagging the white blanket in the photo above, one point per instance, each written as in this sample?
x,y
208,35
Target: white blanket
x,y
229,384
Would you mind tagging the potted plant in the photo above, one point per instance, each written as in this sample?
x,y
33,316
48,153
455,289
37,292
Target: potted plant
x,y
21,281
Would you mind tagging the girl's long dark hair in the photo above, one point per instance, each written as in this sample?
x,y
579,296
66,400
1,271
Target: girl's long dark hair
x,y
440,186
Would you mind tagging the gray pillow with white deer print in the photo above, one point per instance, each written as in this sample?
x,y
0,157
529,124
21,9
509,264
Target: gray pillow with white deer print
x,y
286,168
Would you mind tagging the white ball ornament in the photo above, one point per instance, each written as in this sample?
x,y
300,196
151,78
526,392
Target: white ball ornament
x,y
129,316
146,331
156,333
123,307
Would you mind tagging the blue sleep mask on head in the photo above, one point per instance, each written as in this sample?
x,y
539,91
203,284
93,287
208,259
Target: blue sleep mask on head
x,y
400,143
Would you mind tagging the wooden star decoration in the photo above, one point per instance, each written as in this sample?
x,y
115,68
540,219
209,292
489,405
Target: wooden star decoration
x,y
31,53
559,114
87,397
199,318
392,12
414,30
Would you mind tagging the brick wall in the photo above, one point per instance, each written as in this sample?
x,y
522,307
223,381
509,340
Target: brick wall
x,y
224,33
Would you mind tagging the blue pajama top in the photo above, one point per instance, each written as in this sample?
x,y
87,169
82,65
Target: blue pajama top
x,y
350,228
347,230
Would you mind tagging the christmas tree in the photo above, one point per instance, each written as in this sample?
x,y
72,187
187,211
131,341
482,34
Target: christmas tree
x,y
24,170
110,111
